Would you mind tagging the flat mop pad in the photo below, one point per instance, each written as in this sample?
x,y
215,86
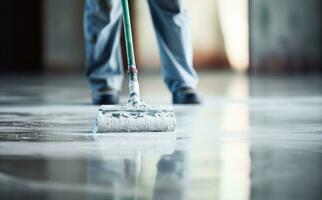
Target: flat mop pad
x,y
135,119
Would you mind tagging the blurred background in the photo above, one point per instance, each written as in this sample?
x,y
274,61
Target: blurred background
x,y
243,35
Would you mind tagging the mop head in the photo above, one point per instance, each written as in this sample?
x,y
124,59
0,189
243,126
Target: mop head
x,y
129,118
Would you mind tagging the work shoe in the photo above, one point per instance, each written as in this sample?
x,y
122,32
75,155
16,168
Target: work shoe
x,y
186,96
106,97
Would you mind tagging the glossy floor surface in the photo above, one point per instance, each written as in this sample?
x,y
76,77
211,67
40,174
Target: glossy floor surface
x,y
253,138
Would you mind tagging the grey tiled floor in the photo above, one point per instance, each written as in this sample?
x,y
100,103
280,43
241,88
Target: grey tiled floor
x,y
253,138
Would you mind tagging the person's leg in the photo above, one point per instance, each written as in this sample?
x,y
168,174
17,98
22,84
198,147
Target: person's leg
x,y
104,67
171,22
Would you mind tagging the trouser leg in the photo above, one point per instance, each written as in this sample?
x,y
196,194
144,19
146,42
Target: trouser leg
x,y
102,25
171,22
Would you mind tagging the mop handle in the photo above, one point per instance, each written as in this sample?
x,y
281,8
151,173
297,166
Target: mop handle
x,y
132,70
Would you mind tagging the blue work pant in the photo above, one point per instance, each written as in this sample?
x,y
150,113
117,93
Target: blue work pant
x,y
102,27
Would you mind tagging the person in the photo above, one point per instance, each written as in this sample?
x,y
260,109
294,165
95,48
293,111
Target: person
x,y
104,67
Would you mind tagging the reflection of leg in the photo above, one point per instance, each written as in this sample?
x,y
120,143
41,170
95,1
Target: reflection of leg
x,y
102,25
120,177
170,181
173,32
132,171
108,174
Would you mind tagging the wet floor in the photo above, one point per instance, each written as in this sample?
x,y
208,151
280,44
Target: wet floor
x,y
253,138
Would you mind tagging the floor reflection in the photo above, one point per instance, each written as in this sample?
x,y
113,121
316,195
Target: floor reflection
x,y
111,169
253,138
121,177
120,164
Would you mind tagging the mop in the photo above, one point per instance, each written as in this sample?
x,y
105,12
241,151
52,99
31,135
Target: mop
x,y
136,115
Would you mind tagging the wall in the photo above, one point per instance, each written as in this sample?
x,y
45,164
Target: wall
x,y
63,35
20,36
209,49
285,35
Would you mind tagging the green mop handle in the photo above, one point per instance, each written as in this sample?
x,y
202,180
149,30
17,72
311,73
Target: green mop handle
x,y
132,70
